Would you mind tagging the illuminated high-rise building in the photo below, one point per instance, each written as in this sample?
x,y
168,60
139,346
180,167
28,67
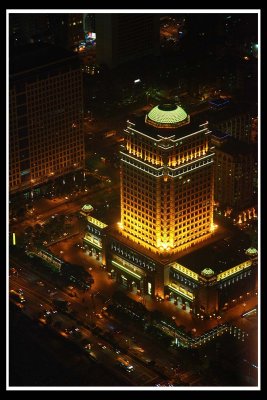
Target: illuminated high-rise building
x,y
165,245
167,181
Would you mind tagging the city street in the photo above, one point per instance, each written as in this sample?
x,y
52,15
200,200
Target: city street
x,y
39,306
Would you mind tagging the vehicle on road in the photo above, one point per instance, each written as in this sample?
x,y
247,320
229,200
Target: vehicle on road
x,y
92,356
125,364
88,347
18,297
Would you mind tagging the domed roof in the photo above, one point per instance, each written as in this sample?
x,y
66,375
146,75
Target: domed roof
x,y
207,272
167,116
251,251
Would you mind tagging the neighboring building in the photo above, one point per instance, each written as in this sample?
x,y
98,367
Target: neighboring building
x,y
29,28
67,30
46,116
64,30
233,119
125,37
239,127
89,23
234,170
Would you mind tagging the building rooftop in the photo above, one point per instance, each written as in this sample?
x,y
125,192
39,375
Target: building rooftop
x,y
38,55
166,258
218,256
219,134
218,115
235,147
177,130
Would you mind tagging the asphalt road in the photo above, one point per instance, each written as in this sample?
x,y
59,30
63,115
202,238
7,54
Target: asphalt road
x,y
38,299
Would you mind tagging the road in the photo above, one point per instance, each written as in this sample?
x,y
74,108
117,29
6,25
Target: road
x,y
130,339
70,206
39,298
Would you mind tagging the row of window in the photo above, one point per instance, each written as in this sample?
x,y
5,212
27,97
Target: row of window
x,y
133,257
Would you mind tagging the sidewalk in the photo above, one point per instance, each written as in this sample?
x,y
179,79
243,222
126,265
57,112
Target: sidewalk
x,y
191,321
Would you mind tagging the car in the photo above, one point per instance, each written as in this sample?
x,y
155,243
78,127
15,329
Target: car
x,y
75,332
99,316
40,283
100,344
93,356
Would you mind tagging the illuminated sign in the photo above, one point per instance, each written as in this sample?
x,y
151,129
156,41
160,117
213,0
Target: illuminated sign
x,y
14,239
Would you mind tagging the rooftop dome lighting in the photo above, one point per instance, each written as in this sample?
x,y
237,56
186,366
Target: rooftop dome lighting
x,y
168,116
208,272
251,251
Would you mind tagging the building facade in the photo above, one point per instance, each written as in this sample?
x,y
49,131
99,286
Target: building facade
x,y
124,37
67,30
239,127
167,181
64,30
234,172
46,116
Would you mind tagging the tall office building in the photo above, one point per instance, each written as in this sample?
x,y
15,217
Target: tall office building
x,y
238,126
165,244
89,23
46,115
29,28
67,30
64,30
167,181
124,37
